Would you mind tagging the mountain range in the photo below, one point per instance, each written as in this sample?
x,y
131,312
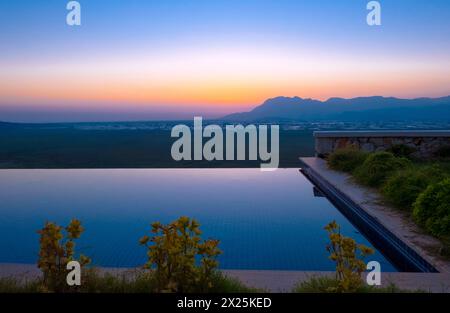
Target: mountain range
x,y
375,108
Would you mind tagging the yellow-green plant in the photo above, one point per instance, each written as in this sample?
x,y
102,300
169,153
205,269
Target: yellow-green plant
x,y
181,260
57,248
347,254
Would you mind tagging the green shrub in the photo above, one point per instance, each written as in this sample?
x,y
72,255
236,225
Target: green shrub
x,y
346,160
432,208
347,255
378,167
181,260
401,151
403,187
57,248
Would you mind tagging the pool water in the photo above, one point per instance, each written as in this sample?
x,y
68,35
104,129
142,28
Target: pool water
x,y
264,220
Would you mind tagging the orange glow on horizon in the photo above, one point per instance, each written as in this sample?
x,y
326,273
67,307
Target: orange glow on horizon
x,y
221,95
222,79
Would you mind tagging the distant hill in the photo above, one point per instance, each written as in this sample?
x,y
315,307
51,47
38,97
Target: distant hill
x,y
355,109
6,124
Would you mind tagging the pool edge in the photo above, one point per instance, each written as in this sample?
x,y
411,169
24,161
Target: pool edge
x,y
400,254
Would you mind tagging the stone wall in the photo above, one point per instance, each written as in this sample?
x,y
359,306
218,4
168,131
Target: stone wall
x,y
424,143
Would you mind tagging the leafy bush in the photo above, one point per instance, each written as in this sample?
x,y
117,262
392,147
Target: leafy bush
x,y
346,160
432,208
403,187
346,253
378,167
56,250
401,151
173,255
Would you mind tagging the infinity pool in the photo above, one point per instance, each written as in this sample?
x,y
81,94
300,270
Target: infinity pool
x,y
264,220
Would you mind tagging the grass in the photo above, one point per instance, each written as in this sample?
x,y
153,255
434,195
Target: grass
x,y
327,284
14,285
140,281
137,281
225,284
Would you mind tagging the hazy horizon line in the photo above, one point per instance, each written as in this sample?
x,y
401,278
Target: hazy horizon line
x,y
31,115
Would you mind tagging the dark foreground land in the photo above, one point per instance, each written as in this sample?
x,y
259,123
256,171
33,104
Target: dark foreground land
x,y
117,146
148,144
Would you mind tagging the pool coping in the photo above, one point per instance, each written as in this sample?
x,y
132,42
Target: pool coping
x,y
408,237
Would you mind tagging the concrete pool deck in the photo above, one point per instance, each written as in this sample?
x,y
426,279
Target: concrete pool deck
x,y
273,281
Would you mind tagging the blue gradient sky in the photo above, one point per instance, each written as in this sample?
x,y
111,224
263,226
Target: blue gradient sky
x,y
140,59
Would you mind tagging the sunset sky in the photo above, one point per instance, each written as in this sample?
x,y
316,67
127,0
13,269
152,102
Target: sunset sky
x,y
137,60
